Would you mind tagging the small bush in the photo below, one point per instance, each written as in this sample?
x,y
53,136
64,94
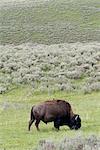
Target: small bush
x,y
88,88
3,89
78,143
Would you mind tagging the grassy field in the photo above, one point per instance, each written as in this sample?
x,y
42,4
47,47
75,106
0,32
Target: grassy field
x,y
15,111
50,21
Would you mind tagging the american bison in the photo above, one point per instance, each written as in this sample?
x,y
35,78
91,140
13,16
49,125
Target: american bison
x,y
58,111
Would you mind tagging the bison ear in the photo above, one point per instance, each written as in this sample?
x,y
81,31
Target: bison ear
x,y
77,116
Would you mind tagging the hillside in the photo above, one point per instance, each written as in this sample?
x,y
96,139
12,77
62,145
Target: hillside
x,y
50,44
49,21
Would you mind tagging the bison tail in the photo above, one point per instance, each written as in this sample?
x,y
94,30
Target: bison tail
x,y
32,118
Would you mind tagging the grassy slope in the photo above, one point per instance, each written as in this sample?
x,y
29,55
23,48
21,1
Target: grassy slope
x,y
50,22
15,110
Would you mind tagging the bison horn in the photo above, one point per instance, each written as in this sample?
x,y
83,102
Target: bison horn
x,y
76,117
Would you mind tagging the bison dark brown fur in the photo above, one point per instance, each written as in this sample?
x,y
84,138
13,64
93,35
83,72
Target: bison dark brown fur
x,y
57,111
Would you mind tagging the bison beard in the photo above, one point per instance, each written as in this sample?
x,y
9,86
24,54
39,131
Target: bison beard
x,y
57,111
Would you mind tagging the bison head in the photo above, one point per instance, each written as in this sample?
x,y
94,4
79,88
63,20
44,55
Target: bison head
x,y
75,122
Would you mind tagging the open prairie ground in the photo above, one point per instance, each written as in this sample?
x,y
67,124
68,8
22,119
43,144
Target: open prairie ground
x,y
15,112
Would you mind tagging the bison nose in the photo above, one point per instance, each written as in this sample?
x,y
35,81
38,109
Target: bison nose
x,y
77,127
73,127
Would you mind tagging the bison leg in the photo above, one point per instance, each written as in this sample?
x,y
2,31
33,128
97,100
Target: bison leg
x,y
32,118
57,122
37,124
56,125
30,123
